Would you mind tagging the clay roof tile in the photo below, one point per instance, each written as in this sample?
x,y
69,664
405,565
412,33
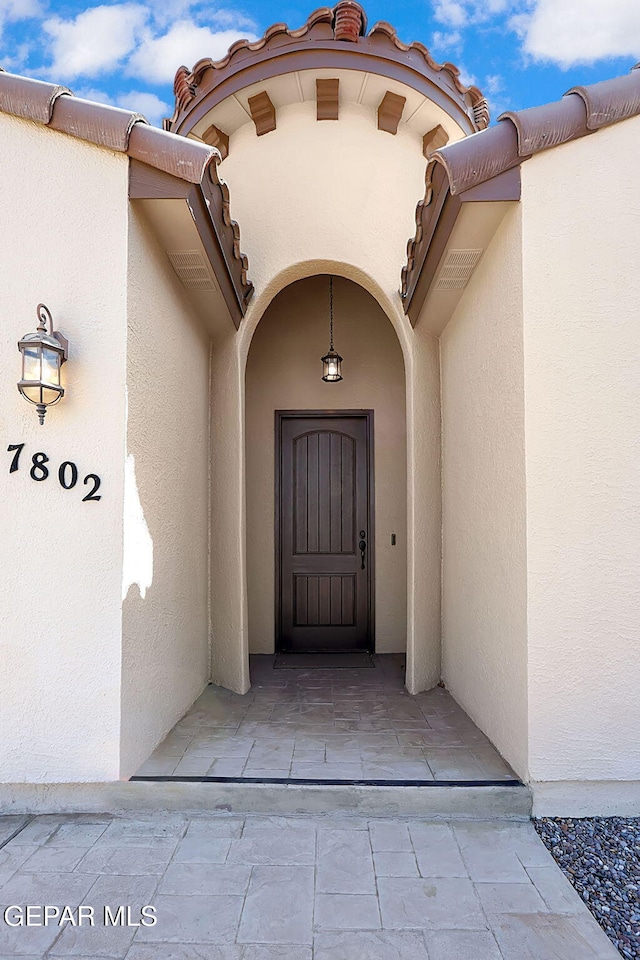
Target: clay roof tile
x,y
610,100
31,99
480,156
186,159
521,133
97,122
548,125
104,125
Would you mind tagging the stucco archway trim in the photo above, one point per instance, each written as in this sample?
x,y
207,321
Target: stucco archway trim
x,y
310,268
230,657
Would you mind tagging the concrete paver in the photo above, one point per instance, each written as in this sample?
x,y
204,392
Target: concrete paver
x,y
345,863
354,911
388,863
436,903
279,906
294,888
327,724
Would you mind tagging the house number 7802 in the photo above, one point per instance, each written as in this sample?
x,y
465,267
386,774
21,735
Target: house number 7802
x,y
67,472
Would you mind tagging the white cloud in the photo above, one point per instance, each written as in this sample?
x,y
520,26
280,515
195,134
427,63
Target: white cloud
x,y
446,40
157,58
493,83
95,41
231,19
148,104
568,32
138,101
451,13
12,11
198,11
93,93
469,79
19,9
465,13
19,56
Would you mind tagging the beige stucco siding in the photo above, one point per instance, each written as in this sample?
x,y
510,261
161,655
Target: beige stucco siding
x,y
581,242
284,373
165,618
484,548
64,227
339,190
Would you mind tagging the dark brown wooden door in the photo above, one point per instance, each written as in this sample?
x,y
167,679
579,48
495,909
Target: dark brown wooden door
x,y
324,532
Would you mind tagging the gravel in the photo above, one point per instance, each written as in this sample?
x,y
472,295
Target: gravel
x,y
601,858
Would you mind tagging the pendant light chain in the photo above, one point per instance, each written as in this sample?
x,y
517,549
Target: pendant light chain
x,y
331,372
330,312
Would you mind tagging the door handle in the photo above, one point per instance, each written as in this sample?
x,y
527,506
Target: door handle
x,y
362,546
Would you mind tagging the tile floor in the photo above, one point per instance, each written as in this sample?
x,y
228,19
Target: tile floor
x,y
272,888
326,725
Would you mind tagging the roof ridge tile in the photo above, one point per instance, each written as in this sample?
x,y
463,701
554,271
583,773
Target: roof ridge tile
x,y
582,110
609,101
517,136
106,126
29,98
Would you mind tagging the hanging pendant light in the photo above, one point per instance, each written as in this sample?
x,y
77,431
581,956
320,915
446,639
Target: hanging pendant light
x,y
331,362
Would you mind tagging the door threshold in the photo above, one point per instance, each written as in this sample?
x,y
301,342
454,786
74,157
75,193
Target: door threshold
x,y
308,782
323,661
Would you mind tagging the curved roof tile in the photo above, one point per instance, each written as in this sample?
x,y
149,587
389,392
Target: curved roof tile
x,y
518,135
109,128
340,31
127,132
106,126
479,157
582,110
31,99
610,100
541,127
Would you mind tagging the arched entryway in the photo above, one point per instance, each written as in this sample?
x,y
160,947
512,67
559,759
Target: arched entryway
x,y
283,373
235,537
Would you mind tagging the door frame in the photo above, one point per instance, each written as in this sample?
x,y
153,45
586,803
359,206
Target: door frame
x,y
367,416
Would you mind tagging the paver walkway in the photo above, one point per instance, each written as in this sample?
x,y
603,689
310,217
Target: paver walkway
x,y
327,724
260,888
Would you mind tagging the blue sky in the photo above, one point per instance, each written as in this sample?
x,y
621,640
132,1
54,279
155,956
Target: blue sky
x,y
519,52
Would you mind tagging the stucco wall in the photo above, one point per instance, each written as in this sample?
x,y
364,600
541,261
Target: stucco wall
x,y
284,373
340,190
64,219
229,638
165,613
581,240
484,549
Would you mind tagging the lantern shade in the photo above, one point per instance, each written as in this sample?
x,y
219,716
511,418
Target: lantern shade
x,y
42,357
332,367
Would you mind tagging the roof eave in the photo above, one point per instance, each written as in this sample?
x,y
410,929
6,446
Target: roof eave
x,y
211,230
451,222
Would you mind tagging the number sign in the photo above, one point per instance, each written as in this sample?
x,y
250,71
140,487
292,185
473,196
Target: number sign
x,y
67,472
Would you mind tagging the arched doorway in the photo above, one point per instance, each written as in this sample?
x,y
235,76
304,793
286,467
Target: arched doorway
x,y
283,373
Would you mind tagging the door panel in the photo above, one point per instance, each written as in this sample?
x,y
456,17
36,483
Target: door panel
x,y
324,583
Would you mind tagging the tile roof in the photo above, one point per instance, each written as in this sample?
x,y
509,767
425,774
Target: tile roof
x,y
330,37
106,126
126,132
477,162
519,134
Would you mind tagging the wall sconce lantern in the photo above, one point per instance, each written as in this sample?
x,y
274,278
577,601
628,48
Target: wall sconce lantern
x,y
43,354
331,362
